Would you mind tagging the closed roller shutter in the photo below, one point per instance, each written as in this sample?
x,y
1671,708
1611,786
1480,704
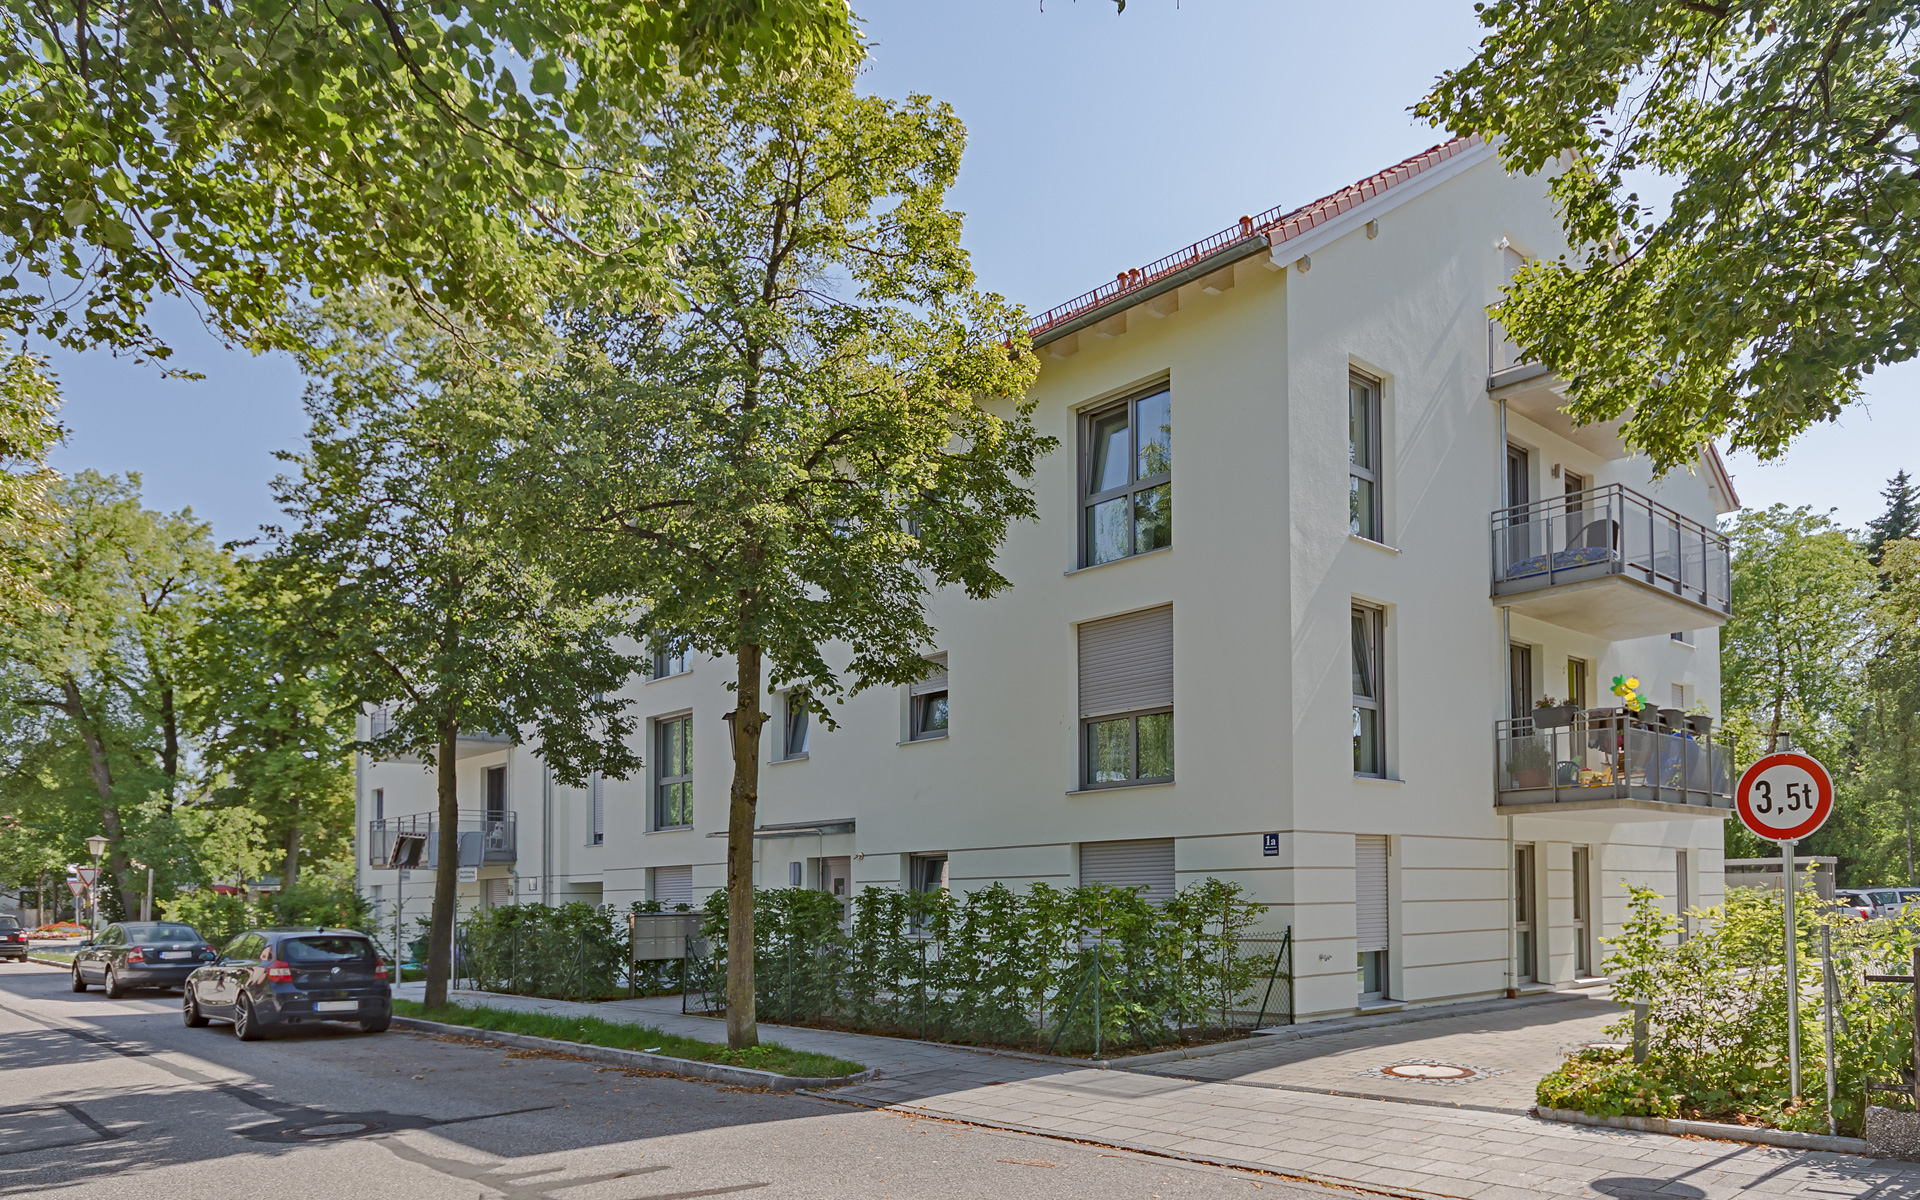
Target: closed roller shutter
x,y
597,797
673,885
1126,663
499,893
1146,863
1370,892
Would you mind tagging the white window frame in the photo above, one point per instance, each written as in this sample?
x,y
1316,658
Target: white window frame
x,y
1373,527
921,698
661,780
793,706
1374,627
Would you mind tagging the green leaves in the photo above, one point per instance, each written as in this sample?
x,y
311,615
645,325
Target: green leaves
x,y
1780,274
294,145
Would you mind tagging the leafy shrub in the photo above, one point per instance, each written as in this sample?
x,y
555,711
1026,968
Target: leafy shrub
x,y
218,917
1716,1031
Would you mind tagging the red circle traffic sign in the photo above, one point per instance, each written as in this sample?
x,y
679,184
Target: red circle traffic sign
x,y
1784,797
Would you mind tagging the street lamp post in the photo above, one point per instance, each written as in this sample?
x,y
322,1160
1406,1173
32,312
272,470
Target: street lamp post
x,y
96,846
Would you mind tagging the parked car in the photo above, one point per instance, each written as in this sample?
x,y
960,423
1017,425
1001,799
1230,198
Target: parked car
x,y
13,939
269,977
139,954
1857,903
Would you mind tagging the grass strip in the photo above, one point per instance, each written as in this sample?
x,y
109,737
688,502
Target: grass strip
x,y
592,1031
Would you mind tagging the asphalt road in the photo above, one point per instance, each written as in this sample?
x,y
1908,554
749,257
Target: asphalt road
x,y
117,1097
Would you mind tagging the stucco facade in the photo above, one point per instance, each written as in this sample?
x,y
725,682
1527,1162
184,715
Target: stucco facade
x,y
1263,575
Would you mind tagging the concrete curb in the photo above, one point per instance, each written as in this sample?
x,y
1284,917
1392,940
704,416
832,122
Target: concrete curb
x,y
663,1063
1788,1138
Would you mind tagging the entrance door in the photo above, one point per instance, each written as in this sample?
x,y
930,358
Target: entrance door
x,y
1526,945
836,879
1370,913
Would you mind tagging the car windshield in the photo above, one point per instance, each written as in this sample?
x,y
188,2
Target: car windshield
x,y
161,931
326,949
14,923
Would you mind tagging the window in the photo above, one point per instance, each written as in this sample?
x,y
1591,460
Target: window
x,y
673,773
929,700
927,872
379,804
1126,699
1524,945
1363,457
1369,693
597,810
1683,636
1577,682
1582,899
1679,696
1519,681
496,793
1370,914
669,662
793,729
1683,892
1127,452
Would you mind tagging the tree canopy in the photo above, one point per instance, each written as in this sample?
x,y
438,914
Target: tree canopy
x,y
1783,270
783,472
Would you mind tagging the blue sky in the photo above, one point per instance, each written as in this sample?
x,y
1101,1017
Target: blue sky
x,y
1096,142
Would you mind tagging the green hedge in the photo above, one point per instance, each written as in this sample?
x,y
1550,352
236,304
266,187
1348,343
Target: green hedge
x,y
1037,968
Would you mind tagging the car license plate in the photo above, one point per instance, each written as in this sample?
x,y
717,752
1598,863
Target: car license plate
x,y
336,1005
176,954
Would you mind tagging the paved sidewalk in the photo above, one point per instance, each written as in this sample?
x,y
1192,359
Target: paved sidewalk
x,y
1249,1117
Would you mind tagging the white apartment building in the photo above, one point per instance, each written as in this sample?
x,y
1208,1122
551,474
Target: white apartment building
x,y
1293,455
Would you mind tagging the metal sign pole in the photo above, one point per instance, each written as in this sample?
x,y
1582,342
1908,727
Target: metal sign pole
x,y
1793,975
1830,995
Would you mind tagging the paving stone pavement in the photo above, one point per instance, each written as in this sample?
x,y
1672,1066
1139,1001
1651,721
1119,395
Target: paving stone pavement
x,y
1520,1043
1252,1111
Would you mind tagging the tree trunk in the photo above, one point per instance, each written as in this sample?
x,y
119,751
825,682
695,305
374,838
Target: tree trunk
x,y
117,866
746,718
290,869
170,749
446,874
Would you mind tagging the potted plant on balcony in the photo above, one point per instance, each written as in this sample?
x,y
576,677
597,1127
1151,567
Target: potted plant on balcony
x,y
1699,720
1549,713
1528,759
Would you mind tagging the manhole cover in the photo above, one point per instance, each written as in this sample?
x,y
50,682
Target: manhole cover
x,y
1427,1070
336,1129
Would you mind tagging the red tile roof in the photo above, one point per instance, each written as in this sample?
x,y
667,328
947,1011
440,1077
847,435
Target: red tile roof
x,y
1277,225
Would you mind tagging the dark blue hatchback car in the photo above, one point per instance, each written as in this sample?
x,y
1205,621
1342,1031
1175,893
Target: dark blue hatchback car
x,y
270,977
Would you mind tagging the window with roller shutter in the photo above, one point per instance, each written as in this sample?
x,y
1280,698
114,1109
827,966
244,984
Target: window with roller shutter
x,y
673,886
929,699
1145,863
1370,912
1126,699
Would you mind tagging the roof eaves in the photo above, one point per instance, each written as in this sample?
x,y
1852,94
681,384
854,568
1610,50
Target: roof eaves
x,y
1250,235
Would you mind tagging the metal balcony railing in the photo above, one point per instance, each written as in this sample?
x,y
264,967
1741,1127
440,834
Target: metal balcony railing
x,y
380,720
1610,530
1612,754
484,837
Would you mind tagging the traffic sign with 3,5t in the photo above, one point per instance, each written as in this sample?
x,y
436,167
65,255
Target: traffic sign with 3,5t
x,y
1784,797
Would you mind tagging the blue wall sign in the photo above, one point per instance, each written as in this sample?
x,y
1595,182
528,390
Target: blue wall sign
x,y
1270,845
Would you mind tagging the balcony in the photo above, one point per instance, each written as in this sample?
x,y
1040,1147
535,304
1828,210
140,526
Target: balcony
x,y
467,743
1530,390
1611,563
1611,765
484,838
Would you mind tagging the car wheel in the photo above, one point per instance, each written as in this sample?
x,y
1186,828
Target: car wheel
x,y
376,1024
246,1025
190,1011
112,985
79,982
